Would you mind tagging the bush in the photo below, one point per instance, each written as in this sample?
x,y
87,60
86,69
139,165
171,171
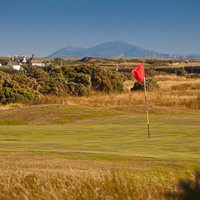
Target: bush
x,y
13,96
25,82
81,78
8,70
4,61
150,85
39,73
107,81
181,72
56,86
90,75
77,89
16,89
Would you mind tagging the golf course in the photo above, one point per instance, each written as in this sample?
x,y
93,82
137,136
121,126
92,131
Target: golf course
x,y
96,145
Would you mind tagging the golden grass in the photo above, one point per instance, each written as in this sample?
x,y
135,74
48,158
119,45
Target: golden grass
x,y
18,184
184,93
178,94
30,177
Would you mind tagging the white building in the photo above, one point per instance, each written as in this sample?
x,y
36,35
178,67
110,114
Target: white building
x,y
35,61
14,64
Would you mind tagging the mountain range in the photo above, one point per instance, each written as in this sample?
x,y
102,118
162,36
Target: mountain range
x,y
114,49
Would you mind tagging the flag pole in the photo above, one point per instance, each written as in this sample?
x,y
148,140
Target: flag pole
x,y
146,107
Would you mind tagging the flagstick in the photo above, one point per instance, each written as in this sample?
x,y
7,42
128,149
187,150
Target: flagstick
x,y
146,107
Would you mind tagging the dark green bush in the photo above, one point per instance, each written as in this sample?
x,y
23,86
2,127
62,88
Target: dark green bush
x,y
138,86
181,72
81,78
56,86
16,88
29,68
39,73
8,70
107,81
25,81
2,96
4,61
77,89
150,85
94,76
17,98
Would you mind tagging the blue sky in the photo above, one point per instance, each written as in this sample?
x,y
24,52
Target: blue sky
x,y
44,26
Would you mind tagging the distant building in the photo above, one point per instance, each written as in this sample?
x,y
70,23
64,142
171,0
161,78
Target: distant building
x,y
17,62
20,60
14,64
35,62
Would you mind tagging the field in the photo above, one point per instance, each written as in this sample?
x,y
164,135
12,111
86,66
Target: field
x,y
97,147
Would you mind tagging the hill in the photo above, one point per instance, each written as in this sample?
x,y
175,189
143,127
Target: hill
x,y
114,49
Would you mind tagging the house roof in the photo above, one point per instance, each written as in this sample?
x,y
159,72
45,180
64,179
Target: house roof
x,y
34,60
13,62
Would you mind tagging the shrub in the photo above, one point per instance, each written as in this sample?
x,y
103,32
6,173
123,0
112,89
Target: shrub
x,y
84,79
150,85
4,61
17,88
4,76
39,73
90,75
138,86
29,68
107,81
181,72
50,85
8,70
12,96
2,96
77,89
25,82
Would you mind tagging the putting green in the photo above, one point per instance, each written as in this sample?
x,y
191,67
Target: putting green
x,y
172,137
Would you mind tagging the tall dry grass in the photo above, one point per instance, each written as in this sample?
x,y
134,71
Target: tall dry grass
x,y
112,185
189,99
180,93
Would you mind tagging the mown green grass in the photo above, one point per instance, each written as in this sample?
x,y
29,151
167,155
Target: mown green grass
x,y
172,137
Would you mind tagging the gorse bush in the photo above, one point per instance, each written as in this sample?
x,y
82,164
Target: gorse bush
x,y
4,61
56,86
17,88
25,81
181,72
77,89
39,73
93,77
84,79
73,80
8,70
150,85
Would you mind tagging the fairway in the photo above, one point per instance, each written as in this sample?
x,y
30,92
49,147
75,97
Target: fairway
x,y
172,137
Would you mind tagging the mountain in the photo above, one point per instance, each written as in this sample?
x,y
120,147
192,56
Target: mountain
x,y
68,52
114,49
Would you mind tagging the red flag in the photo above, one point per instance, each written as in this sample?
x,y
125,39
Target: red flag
x,y
139,73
